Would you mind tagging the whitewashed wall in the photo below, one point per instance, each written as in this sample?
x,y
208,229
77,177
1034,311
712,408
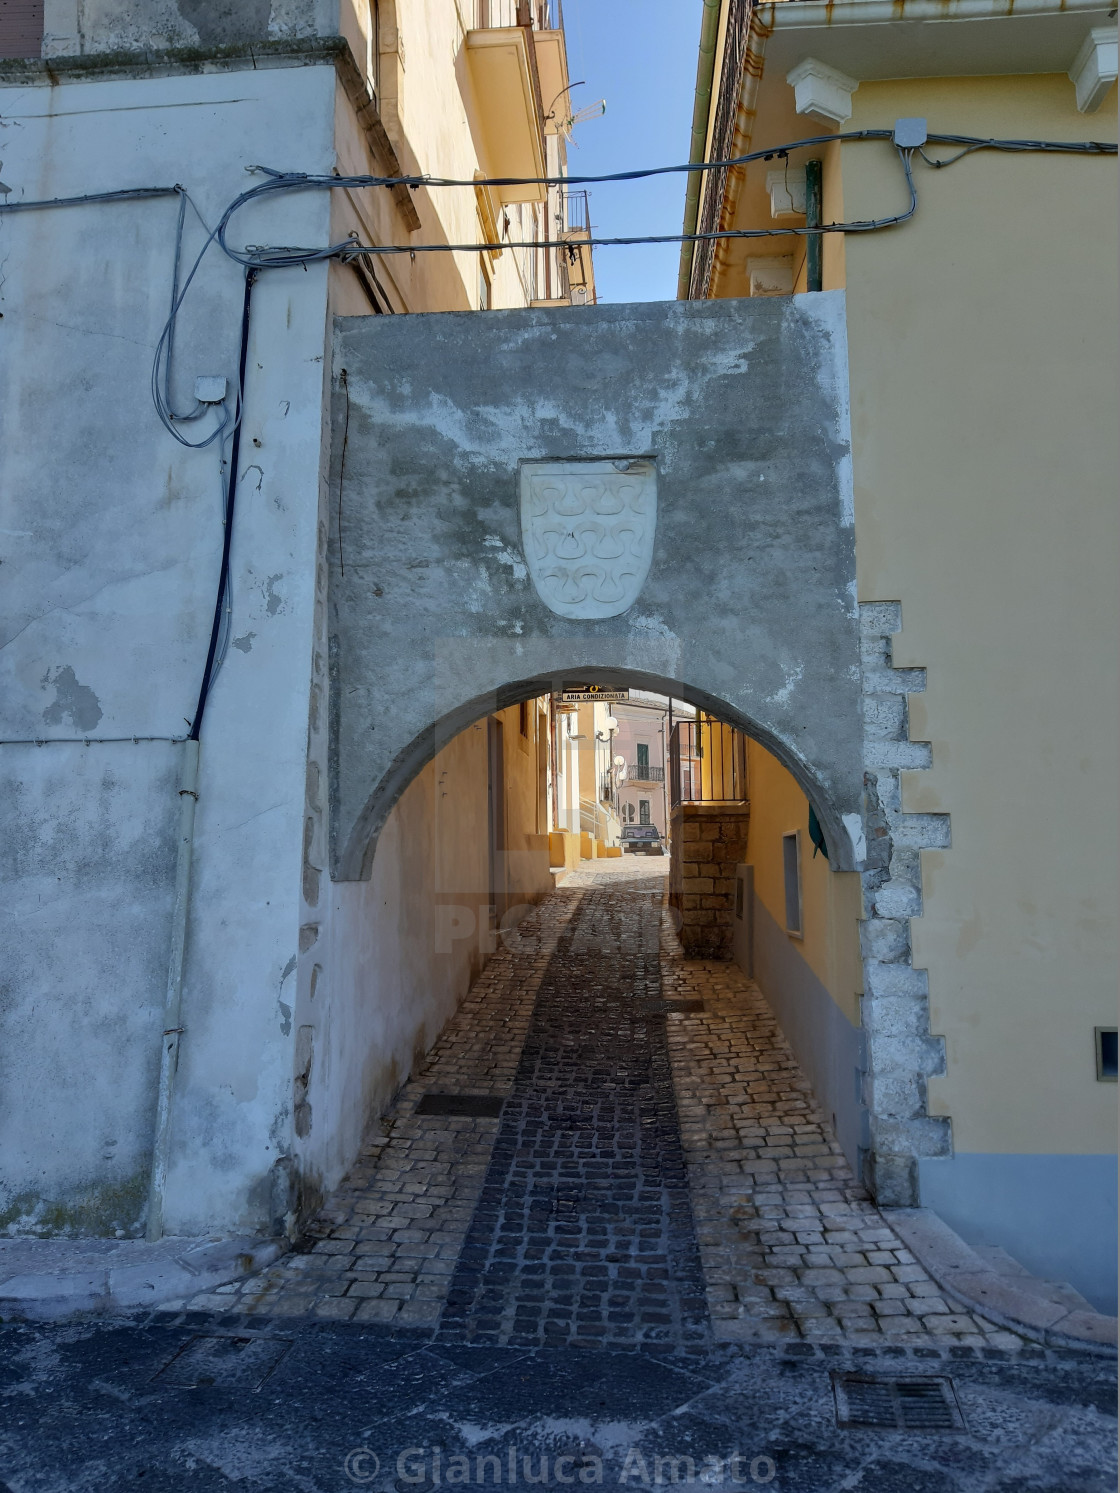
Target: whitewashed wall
x,y
111,542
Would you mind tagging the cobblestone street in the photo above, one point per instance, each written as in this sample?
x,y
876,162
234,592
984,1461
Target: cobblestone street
x,y
659,1171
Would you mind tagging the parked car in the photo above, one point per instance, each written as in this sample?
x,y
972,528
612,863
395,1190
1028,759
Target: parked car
x,y
642,839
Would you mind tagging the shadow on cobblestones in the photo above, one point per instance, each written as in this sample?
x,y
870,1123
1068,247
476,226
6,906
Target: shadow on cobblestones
x,y
660,1171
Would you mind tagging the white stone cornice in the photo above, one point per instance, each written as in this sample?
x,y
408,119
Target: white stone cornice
x,y
1094,70
822,91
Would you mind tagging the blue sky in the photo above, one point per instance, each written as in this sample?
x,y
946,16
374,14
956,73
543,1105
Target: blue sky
x,y
640,55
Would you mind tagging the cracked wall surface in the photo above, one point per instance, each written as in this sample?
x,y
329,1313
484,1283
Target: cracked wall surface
x,y
749,604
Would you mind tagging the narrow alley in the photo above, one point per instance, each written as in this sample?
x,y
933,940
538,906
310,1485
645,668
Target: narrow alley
x,y
608,1146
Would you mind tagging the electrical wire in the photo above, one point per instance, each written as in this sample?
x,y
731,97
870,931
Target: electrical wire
x,y
161,362
126,194
221,601
255,258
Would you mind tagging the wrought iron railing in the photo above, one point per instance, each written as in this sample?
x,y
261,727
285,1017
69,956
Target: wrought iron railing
x,y
542,15
707,763
644,772
723,138
575,209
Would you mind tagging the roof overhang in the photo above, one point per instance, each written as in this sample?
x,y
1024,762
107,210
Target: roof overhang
x,y
881,39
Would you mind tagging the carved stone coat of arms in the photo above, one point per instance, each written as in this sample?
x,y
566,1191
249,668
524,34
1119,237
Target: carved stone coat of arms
x,y
587,529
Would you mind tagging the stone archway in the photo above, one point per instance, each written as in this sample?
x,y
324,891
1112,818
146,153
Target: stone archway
x,y
660,491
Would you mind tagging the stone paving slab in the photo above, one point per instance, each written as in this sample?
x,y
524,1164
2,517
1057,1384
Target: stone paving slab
x,y
96,1406
583,1233
792,1245
384,1247
579,1023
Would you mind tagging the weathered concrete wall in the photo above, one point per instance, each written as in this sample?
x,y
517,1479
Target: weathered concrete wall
x,y
391,958
111,541
89,865
748,606
75,27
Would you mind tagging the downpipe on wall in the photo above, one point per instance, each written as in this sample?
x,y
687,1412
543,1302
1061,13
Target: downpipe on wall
x,y
188,800
173,998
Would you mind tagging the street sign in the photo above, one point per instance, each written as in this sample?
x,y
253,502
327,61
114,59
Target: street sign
x,y
579,694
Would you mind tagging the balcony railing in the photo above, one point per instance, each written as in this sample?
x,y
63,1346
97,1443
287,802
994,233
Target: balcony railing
x,y
707,763
723,138
644,772
541,15
575,211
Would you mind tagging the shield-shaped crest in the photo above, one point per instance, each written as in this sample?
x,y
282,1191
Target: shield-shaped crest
x,y
587,530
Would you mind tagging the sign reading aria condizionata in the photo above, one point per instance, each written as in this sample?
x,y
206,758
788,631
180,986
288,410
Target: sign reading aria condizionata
x,y
578,694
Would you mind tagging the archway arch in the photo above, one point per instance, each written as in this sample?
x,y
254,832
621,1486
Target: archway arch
x,y
356,854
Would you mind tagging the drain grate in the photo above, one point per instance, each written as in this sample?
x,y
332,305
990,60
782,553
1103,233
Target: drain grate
x,y
663,1008
462,1106
875,1402
241,1362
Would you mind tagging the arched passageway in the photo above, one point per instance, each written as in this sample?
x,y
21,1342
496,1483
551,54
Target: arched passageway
x,y
659,498
608,1142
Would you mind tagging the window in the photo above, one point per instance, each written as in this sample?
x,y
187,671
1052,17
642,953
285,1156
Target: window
x,y
523,717
643,811
643,759
484,296
791,873
1106,1053
373,55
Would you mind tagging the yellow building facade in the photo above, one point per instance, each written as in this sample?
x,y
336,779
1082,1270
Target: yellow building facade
x,y
981,339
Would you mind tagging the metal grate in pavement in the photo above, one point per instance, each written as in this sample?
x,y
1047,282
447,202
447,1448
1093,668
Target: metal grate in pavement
x,y
877,1402
461,1106
244,1361
664,1008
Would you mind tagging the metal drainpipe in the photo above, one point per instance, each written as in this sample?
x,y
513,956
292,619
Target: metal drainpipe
x,y
814,244
701,110
173,998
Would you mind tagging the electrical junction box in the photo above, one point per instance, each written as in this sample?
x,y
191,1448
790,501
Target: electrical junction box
x,y
910,133
210,388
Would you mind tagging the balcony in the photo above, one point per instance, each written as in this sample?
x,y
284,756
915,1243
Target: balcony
x,y
707,764
576,270
516,62
643,772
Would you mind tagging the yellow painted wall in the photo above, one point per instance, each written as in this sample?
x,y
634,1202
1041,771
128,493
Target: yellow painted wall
x,y
982,342
430,115
830,899
527,857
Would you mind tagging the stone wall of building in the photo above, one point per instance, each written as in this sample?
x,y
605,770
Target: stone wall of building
x,y
708,842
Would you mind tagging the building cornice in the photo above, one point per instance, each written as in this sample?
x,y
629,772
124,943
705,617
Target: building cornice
x,y
317,51
881,39
172,61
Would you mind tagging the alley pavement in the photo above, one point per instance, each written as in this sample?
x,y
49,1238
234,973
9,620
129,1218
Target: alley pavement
x,y
603,1238
657,1169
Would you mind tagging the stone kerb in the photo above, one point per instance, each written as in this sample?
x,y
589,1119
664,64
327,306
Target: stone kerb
x,y
708,842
